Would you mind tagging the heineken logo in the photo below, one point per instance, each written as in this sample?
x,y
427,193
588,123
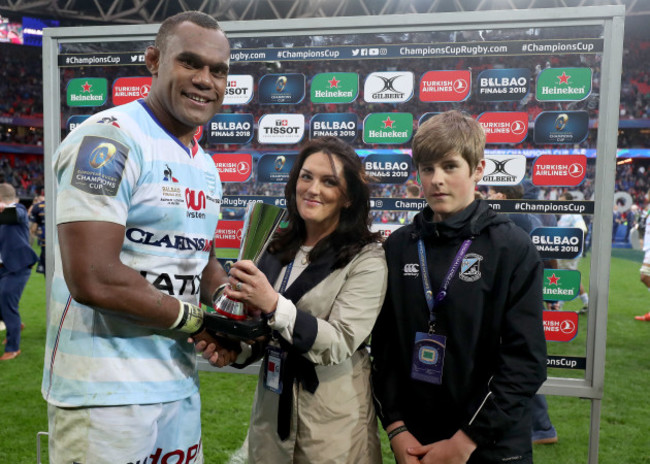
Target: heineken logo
x,y
564,84
561,284
388,128
91,91
334,87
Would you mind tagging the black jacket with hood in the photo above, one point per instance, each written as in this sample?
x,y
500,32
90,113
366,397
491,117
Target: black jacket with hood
x,y
492,316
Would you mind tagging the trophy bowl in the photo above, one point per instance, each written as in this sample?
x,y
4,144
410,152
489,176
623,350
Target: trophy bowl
x,y
230,316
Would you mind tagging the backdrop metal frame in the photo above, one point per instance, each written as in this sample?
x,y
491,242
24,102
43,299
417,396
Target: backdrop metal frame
x,y
611,18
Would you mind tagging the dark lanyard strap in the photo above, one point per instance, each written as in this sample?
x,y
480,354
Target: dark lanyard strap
x,y
426,283
285,279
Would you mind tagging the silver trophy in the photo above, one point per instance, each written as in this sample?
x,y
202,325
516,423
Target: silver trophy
x,y
260,222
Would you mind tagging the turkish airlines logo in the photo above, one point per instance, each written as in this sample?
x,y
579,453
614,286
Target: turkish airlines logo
x,y
195,200
128,89
233,167
560,326
388,87
504,127
559,170
445,86
504,170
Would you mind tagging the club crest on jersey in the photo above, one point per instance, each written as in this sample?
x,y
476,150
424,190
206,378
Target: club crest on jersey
x,y
411,270
470,269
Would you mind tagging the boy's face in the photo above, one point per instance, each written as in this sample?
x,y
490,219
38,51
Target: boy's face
x,y
448,185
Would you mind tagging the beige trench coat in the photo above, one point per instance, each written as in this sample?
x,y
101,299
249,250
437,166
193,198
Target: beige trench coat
x,y
336,424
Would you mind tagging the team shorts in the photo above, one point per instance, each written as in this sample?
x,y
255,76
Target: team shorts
x,y
161,433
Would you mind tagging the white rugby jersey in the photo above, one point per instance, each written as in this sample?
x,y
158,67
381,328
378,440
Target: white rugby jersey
x,y
122,166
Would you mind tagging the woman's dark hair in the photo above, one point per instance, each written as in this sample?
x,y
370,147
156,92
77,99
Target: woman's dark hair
x,y
352,232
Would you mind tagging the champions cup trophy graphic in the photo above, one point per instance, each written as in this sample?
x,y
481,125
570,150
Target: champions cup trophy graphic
x,y
260,222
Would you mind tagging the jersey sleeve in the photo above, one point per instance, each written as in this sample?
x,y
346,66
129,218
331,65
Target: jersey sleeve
x,y
97,168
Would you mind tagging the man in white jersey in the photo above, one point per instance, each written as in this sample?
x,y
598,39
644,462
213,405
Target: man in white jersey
x,y
645,267
137,208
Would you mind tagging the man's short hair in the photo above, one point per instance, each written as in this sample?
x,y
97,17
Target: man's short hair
x,y
168,25
446,133
7,193
511,192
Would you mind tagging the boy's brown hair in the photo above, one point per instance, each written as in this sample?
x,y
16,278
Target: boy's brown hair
x,y
449,132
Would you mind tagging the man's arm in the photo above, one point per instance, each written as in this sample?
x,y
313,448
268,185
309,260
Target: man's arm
x,y
95,275
213,277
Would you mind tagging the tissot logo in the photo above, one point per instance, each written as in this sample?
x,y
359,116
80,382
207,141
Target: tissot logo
x,y
281,128
445,86
233,167
239,89
504,127
393,128
235,128
87,91
128,89
341,125
503,84
563,84
282,88
567,127
335,87
559,170
504,170
388,87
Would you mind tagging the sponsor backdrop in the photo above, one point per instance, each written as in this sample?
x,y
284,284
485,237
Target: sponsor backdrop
x,y
536,98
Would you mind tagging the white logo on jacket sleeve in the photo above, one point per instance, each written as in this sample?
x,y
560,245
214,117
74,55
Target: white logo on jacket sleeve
x,y
411,270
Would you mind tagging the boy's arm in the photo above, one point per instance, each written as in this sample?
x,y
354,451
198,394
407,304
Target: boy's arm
x,y
521,364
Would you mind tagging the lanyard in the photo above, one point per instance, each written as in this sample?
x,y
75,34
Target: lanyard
x,y
285,279
442,293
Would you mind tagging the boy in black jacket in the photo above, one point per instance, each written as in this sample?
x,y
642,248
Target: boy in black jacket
x,y
459,346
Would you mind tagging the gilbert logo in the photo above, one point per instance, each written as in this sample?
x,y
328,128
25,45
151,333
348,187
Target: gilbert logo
x,y
504,127
563,84
504,170
334,87
445,86
559,170
91,91
239,89
388,87
411,270
281,128
128,89
233,167
393,128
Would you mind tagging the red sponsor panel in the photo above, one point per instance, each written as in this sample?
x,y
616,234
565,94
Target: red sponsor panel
x,y
198,133
445,86
559,170
504,127
228,234
233,167
560,326
128,89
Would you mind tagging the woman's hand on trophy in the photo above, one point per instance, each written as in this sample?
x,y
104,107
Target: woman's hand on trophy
x,y
250,285
219,351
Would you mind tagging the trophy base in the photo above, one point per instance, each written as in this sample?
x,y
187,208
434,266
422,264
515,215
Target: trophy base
x,y
246,329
